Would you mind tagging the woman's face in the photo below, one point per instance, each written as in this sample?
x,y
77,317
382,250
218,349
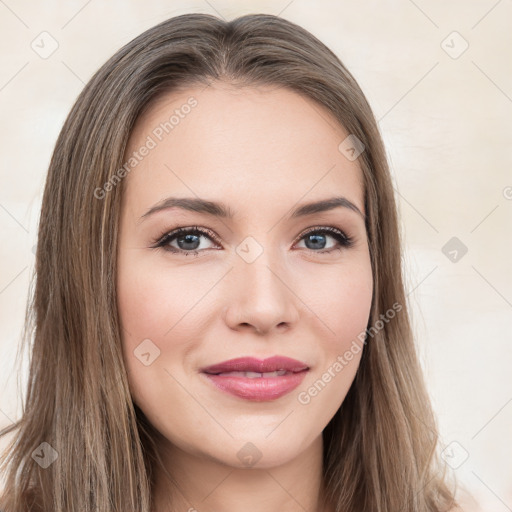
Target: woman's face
x,y
252,283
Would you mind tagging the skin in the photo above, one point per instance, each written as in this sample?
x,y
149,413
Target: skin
x,y
262,151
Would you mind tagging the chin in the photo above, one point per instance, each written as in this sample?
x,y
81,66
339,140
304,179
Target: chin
x,y
259,452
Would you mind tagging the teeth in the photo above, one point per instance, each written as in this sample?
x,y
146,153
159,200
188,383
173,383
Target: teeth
x,y
256,375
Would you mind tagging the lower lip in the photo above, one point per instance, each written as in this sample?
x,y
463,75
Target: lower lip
x,y
258,389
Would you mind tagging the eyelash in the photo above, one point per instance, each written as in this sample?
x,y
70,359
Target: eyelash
x,y
163,240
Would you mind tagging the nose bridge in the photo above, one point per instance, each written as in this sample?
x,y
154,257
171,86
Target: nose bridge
x,y
259,264
262,293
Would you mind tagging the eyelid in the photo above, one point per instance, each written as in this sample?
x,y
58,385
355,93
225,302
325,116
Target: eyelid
x,y
166,235
329,230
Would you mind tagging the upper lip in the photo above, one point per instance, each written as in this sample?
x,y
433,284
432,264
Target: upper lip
x,y
251,364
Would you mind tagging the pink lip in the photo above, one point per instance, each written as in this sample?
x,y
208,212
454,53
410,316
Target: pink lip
x,y
258,388
251,364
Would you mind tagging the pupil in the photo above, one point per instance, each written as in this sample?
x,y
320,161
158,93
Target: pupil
x,y
316,241
189,239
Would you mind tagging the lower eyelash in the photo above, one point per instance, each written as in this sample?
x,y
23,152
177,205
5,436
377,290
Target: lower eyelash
x,y
344,240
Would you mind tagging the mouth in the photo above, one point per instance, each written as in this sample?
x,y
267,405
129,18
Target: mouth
x,y
254,365
253,375
256,380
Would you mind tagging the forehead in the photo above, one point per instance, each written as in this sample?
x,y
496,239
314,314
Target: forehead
x,y
254,143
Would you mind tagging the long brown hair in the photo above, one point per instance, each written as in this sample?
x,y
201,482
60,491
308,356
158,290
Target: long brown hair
x,y
380,447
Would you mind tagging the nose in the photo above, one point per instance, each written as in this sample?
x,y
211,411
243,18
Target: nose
x,y
261,296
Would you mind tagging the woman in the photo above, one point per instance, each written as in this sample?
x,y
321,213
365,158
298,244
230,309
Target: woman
x,y
271,362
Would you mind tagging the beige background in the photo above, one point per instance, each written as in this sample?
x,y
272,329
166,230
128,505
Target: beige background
x,y
445,112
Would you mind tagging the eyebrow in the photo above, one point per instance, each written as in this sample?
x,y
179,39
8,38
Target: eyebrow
x,y
218,209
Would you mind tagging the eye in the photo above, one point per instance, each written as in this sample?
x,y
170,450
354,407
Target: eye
x,y
188,240
315,238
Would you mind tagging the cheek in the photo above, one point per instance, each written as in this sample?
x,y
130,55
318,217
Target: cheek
x,y
141,301
342,305
152,299
146,311
343,302
163,319
349,314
